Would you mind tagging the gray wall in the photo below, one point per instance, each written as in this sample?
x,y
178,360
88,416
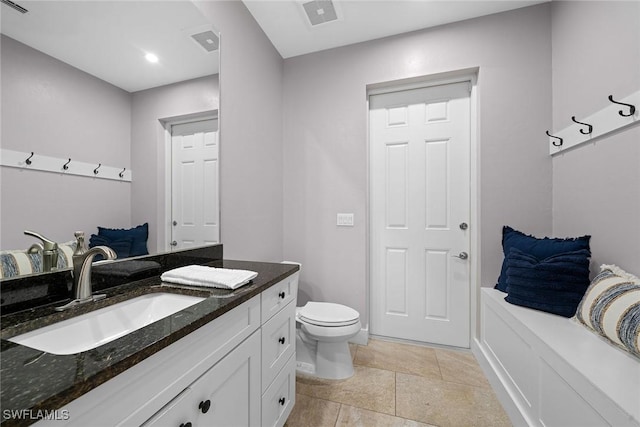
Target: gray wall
x,y
596,187
325,153
149,107
53,109
251,135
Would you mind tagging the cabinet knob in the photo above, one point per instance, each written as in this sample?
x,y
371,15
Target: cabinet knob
x,y
185,425
204,406
281,340
282,294
281,400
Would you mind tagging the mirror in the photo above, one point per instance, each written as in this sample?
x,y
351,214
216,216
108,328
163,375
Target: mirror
x,y
80,90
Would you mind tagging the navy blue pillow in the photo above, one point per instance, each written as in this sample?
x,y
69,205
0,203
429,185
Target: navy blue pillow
x,y
539,248
122,247
555,284
138,235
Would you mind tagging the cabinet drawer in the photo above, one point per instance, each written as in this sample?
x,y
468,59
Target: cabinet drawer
x,y
278,400
279,295
278,343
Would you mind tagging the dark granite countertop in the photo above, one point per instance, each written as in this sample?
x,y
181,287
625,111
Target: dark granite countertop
x,y
35,380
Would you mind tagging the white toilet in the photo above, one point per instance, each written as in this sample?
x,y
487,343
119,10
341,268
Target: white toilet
x,y
322,334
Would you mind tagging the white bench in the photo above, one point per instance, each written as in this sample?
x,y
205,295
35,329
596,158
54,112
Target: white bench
x,y
548,370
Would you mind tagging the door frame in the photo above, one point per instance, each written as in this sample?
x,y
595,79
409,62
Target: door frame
x,y
471,76
164,216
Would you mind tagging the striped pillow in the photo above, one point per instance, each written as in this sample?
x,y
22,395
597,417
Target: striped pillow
x,y
19,262
611,308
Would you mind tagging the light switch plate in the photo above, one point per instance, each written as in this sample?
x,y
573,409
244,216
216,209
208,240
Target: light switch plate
x,y
345,220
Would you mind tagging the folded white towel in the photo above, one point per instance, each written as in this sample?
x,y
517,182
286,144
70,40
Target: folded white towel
x,y
200,275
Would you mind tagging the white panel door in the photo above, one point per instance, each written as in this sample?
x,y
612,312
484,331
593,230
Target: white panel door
x,y
420,195
194,184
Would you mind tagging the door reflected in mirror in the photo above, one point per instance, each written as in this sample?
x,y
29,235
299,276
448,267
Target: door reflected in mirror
x,y
97,85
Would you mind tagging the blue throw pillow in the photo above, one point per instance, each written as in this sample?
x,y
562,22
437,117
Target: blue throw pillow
x,y
555,284
138,235
122,247
539,248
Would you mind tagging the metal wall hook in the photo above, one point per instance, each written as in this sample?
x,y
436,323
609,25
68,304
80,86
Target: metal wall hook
x,y
66,165
632,108
557,143
95,171
121,174
28,161
582,131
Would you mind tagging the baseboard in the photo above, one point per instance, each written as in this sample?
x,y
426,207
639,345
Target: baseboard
x,y
502,393
362,338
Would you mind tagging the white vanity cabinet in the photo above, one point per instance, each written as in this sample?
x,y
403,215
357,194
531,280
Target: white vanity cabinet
x,y
237,370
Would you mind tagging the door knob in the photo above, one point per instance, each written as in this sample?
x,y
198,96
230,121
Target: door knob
x,y
174,243
281,340
461,255
175,223
464,226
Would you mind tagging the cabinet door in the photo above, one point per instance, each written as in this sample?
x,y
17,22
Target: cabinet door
x,y
227,395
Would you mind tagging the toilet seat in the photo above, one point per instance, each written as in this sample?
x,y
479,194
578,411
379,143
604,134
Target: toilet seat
x,y
327,314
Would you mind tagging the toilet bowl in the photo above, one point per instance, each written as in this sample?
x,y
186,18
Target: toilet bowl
x,y
322,334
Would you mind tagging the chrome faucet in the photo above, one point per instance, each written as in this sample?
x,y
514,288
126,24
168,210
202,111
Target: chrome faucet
x,y
82,289
48,248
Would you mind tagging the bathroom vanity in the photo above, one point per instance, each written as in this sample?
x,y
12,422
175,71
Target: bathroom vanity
x,y
226,360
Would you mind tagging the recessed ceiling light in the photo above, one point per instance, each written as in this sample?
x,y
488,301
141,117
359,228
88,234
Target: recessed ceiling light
x,y
151,58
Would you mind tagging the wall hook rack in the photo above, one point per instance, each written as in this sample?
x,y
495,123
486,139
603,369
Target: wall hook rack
x,y
62,165
632,108
582,131
558,141
614,116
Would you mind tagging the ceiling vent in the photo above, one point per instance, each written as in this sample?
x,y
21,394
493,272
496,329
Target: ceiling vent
x,y
15,6
208,40
320,11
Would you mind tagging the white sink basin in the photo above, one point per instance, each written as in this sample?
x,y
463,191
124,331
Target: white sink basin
x,y
101,326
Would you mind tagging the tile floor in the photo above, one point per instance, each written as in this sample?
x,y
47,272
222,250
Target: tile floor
x,y
398,385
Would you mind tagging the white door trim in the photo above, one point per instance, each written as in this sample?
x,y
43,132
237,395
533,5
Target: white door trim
x,y
164,217
470,75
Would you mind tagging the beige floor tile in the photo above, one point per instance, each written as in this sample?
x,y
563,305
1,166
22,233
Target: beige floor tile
x,y
446,403
461,367
311,412
392,356
368,388
351,416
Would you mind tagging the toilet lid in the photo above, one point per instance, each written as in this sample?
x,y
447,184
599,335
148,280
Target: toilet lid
x,y
328,314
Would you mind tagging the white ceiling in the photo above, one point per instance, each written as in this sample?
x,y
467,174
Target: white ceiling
x,y
109,39
288,28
